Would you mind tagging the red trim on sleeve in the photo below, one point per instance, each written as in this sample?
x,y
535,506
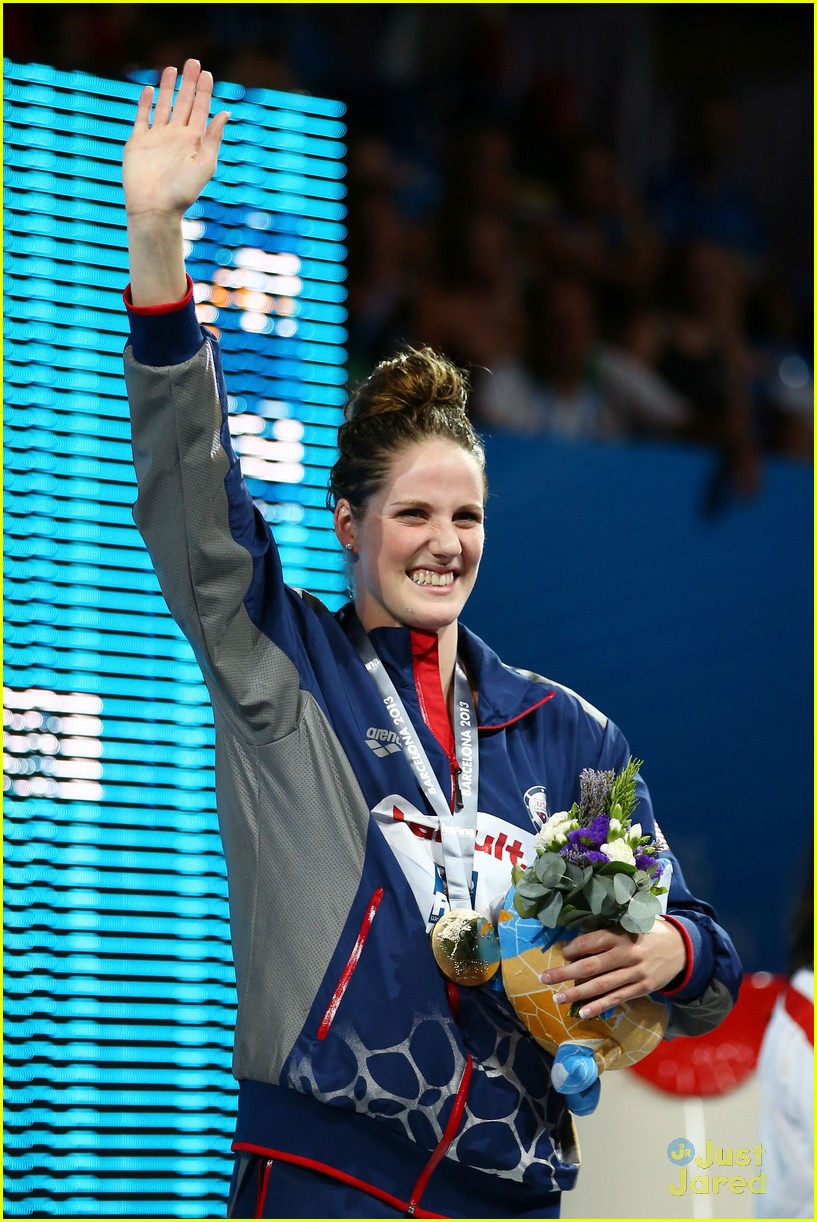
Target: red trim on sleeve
x,y
246,1147
454,1121
690,957
800,1010
170,308
502,724
351,964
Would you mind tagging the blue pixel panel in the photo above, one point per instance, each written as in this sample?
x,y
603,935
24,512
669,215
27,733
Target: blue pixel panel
x,y
119,980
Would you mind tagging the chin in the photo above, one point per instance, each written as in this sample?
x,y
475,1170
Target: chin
x,y
432,619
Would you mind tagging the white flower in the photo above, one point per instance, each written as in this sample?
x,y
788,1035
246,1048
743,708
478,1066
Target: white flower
x,y
554,833
634,834
615,825
619,850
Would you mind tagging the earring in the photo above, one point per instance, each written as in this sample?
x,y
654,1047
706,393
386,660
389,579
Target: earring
x,y
348,546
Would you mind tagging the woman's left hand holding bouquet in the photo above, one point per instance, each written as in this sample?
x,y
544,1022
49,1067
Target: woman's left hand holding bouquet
x,y
610,966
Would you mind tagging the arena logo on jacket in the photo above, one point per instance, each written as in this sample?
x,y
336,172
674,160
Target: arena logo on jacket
x,y
414,838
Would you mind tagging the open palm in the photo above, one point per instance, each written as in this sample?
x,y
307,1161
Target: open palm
x,y
166,164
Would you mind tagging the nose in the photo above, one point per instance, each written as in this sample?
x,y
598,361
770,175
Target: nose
x,y
446,541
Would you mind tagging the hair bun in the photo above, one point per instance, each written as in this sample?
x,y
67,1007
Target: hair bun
x,y
407,399
416,378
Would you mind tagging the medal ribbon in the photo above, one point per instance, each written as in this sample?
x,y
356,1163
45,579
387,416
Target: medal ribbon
x,y
458,828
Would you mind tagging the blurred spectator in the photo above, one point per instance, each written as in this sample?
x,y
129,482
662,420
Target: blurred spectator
x,y
549,126
580,386
704,353
470,300
700,196
381,279
601,231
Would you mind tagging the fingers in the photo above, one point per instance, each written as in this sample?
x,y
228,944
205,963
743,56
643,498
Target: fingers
x,y
610,967
593,953
191,107
200,103
164,102
600,994
215,130
192,81
596,942
606,969
142,120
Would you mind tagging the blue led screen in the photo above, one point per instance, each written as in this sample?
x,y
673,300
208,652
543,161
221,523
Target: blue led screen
x,y
119,985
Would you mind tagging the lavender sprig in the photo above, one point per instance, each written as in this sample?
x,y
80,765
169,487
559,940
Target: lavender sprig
x,y
595,789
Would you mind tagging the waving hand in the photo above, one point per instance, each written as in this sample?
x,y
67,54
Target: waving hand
x,y
166,165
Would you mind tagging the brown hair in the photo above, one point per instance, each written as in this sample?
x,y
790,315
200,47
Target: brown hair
x,y
407,398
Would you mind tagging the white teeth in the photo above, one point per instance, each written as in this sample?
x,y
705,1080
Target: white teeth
x,y
425,577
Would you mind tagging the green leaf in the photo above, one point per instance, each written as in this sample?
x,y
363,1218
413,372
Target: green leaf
x,y
596,894
549,913
529,898
525,908
636,924
643,907
642,901
549,869
582,875
616,867
530,889
623,887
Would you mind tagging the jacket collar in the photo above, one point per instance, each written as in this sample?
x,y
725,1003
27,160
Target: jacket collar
x,y
504,695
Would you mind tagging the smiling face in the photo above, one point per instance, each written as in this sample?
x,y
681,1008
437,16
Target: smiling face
x,y
419,540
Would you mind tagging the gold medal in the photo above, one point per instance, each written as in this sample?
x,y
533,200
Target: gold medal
x,y
466,946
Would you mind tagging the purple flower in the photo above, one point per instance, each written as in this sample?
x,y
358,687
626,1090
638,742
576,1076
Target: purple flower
x,y
644,862
596,858
593,836
599,830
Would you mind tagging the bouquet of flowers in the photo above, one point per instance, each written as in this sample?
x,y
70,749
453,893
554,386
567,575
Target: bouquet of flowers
x,y
594,869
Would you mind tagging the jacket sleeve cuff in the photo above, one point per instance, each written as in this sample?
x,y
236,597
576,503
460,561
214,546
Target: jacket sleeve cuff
x,y
690,983
164,334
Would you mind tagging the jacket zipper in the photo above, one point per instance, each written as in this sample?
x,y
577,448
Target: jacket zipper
x,y
454,1122
351,964
456,799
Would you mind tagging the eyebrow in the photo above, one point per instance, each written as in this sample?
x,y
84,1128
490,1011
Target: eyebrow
x,y
413,503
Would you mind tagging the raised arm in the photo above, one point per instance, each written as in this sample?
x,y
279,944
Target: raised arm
x,y
166,165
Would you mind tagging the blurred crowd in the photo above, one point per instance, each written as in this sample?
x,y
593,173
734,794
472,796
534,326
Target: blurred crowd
x,y
491,217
